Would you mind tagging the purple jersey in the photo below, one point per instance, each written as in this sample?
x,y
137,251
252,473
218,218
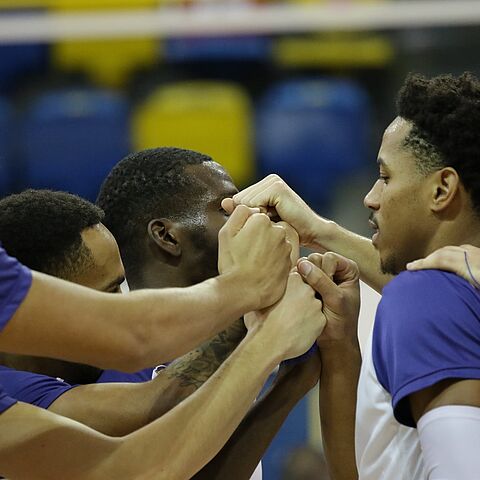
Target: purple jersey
x,y
427,329
42,390
36,389
110,376
5,401
15,281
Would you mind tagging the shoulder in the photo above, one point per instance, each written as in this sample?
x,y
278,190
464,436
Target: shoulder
x,y
427,293
427,304
15,281
427,329
421,281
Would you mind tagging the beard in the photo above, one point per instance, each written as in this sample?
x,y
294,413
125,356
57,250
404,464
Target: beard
x,y
390,266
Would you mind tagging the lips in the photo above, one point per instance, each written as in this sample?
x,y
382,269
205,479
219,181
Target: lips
x,y
374,226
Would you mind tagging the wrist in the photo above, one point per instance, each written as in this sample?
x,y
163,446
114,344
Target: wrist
x,y
263,345
324,232
236,292
340,353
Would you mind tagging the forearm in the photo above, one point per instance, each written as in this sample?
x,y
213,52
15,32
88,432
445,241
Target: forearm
x,y
240,456
120,408
338,395
329,236
188,373
125,332
175,446
202,424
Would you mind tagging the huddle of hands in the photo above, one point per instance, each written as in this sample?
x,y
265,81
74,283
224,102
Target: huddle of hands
x,y
295,302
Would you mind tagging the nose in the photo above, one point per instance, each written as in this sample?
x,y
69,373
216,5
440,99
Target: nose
x,y
372,198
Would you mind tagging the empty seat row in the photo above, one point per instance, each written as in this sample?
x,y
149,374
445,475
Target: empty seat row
x,y
310,131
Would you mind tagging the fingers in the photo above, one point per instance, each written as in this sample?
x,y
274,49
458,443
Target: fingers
x,y
245,196
317,279
228,205
446,258
337,267
292,238
238,219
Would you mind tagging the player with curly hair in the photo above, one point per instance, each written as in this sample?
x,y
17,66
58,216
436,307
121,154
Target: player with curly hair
x,y
418,407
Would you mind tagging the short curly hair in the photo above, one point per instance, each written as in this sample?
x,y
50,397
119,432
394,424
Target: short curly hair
x,y
144,185
445,113
42,229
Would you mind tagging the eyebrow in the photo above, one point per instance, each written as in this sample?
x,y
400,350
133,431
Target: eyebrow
x,y
227,194
118,281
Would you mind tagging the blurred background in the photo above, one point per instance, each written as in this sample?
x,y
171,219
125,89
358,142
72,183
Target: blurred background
x,y
303,88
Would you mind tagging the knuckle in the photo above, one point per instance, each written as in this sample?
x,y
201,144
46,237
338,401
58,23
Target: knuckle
x,y
295,276
223,232
243,209
315,258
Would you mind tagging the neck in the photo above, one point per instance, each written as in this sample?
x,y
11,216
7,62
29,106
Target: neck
x,y
461,232
153,275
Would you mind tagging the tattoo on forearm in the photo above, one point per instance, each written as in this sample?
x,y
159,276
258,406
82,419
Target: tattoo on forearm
x,y
197,366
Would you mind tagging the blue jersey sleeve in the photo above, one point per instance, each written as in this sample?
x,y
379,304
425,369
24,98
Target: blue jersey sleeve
x,y
33,388
427,329
111,376
5,401
15,281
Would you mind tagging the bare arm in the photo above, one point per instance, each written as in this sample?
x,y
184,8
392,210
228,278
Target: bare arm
x,y
145,328
337,401
240,456
120,408
336,279
330,236
274,196
164,449
183,440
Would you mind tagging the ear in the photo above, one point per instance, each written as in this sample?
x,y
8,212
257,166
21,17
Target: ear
x,y
164,233
446,184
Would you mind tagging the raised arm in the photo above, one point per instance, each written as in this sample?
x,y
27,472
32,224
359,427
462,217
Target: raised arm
x,y
240,456
145,328
336,279
274,196
178,444
120,408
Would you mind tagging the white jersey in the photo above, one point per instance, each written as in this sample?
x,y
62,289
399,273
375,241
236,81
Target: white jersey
x,y
257,474
385,449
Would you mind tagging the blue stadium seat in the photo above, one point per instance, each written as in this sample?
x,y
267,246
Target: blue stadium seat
x,y
217,49
312,132
18,61
5,147
72,138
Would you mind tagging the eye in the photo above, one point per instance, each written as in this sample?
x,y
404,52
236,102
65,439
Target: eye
x,y
383,178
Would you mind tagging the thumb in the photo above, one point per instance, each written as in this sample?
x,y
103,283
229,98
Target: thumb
x,y
292,238
238,218
317,279
418,264
228,205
